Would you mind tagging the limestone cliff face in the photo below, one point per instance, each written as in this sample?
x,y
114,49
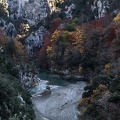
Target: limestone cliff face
x,y
31,10
35,10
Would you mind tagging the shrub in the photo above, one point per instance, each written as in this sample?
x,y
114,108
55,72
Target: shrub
x,y
15,117
61,15
115,85
101,79
76,20
100,117
10,48
87,61
74,59
70,27
9,102
115,98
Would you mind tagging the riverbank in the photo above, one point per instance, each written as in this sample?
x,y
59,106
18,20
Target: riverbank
x,y
67,76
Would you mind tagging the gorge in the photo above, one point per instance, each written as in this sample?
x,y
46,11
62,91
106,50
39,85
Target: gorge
x,y
59,59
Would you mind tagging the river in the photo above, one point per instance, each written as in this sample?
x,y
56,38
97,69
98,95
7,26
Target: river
x,y
60,103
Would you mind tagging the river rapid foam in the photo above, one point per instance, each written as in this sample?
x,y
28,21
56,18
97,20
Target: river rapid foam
x,y
59,103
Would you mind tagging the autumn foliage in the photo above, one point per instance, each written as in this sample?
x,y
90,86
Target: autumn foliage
x,y
3,38
54,24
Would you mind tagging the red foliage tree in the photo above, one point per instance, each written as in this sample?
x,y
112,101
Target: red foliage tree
x,y
54,24
111,35
3,39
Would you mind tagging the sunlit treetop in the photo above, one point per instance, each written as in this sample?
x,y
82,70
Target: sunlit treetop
x,y
3,8
117,18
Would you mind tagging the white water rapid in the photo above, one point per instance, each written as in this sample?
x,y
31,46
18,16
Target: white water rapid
x,y
60,103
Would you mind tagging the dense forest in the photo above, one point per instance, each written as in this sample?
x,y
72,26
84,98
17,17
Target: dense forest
x,y
84,41
15,102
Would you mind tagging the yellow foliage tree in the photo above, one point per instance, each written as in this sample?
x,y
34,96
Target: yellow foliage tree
x,y
80,37
108,67
102,87
49,49
96,93
55,35
117,18
84,101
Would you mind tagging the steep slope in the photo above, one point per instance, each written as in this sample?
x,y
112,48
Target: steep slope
x,y
88,47
79,41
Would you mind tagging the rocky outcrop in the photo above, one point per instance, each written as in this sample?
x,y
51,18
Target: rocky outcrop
x,y
32,12
8,27
35,40
28,76
68,10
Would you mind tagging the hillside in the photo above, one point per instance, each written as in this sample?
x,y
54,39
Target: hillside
x,y
88,47
79,40
15,100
